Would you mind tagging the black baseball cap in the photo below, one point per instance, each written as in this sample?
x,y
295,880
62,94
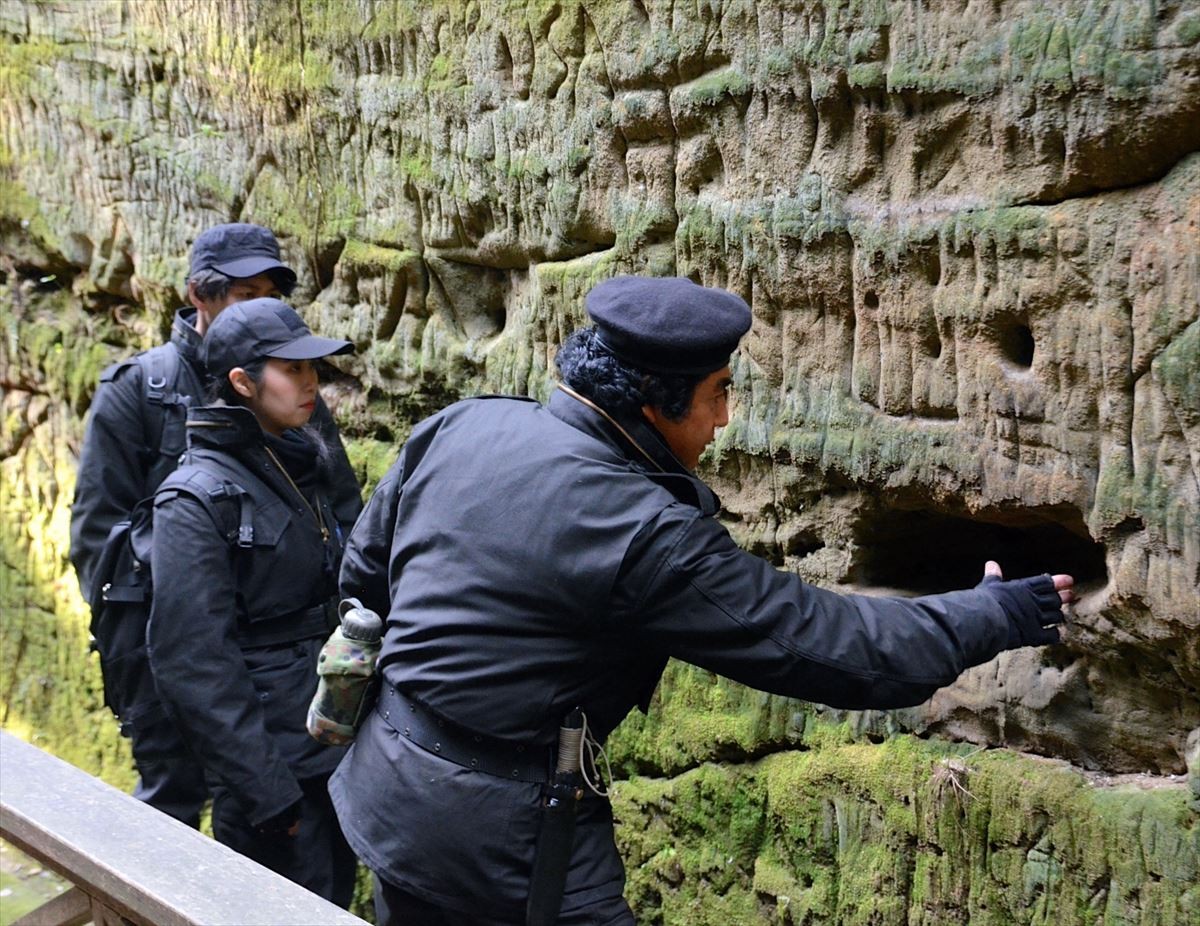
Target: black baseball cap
x,y
267,327
668,324
239,250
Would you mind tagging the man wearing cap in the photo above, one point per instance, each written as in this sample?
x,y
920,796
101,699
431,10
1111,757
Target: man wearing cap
x,y
533,560
133,440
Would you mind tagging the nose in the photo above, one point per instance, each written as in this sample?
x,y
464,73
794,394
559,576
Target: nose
x,y
722,418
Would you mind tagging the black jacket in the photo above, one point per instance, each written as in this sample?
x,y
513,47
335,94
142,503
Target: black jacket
x,y
529,560
239,700
124,458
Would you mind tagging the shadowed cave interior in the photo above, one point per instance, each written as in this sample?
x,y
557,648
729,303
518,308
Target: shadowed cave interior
x,y
922,551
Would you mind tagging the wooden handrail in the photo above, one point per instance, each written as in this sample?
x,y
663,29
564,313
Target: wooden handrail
x,y
133,862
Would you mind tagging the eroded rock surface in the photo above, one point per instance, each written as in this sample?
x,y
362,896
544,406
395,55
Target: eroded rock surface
x,y
968,230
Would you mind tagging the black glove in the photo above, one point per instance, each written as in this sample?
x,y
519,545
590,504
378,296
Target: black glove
x,y
282,822
1033,607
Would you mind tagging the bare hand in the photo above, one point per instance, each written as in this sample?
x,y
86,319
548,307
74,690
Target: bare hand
x,y
1063,584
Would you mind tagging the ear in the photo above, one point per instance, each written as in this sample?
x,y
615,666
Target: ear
x,y
652,414
206,310
242,384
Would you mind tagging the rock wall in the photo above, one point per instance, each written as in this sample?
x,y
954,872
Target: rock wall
x,y
968,230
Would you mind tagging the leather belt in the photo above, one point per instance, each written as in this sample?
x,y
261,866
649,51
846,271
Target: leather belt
x,y
317,621
487,754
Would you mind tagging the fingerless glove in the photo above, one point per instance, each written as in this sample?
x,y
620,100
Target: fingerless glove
x,y
1033,607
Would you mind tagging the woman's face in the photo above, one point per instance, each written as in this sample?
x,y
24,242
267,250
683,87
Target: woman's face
x,y
286,396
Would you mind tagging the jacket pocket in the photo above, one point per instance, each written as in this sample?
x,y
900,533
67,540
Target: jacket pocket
x,y
271,582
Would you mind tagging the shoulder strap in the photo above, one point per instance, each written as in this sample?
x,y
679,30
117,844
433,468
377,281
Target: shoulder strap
x,y
208,490
160,377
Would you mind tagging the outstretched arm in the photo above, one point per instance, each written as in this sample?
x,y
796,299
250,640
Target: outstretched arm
x,y
700,598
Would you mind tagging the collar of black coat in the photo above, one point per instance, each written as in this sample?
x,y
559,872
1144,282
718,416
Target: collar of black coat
x,y
227,427
640,442
187,339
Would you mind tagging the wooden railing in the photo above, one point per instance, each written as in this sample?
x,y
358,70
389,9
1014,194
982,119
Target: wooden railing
x,y
129,863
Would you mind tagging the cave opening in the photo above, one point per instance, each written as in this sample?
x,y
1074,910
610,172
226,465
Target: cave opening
x,y
1016,341
923,551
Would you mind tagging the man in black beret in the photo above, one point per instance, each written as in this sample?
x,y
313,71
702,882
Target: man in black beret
x,y
538,565
133,441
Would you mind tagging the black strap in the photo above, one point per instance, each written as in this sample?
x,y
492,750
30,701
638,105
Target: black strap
x,y
245,531
492,756
161,369
304,624
160,372
125,594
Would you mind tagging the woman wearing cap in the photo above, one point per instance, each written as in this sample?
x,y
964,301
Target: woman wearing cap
x,y
244,555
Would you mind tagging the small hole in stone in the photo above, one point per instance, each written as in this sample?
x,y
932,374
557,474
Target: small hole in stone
x,y
922,551
1016,341
871,300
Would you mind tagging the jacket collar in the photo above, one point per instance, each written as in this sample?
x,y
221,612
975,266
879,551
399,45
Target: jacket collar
x,y
187,339
224,427
639,442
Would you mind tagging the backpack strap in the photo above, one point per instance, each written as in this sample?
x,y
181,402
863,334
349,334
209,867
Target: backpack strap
x,y
160,375
245,530
209,490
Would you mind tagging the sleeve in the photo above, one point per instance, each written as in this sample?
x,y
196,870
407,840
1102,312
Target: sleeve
x,y
690,592
111,477
345,494
366,562
198,666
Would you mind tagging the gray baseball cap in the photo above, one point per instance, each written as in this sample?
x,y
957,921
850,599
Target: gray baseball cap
x,y
245,331
239,250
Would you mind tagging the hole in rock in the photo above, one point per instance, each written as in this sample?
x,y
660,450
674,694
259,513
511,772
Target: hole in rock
x,y
1016,341
922,551
871,300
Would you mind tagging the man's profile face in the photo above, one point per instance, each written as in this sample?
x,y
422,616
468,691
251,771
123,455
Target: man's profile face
x,y
709,410
255,287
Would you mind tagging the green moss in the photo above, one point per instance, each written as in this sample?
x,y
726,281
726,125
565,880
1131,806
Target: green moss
x,y
905,831
1179,367
869,75
49,681
27,67
1188,30
716,86
777,63
417,167
371,459
373,256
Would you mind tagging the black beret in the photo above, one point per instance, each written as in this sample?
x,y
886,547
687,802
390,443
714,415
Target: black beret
x,y
668,325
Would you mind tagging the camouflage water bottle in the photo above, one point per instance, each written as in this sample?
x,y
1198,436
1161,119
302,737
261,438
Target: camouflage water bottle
x,y
345,668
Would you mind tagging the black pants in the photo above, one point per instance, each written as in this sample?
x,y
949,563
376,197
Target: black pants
x,y
317,857
173,784
396,907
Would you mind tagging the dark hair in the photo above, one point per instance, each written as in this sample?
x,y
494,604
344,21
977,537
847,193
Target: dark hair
x,y
221,389
589,368
212,284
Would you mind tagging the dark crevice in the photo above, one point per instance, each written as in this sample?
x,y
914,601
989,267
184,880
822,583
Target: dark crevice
x,y
1100,190
924,551
325,256
1017,344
